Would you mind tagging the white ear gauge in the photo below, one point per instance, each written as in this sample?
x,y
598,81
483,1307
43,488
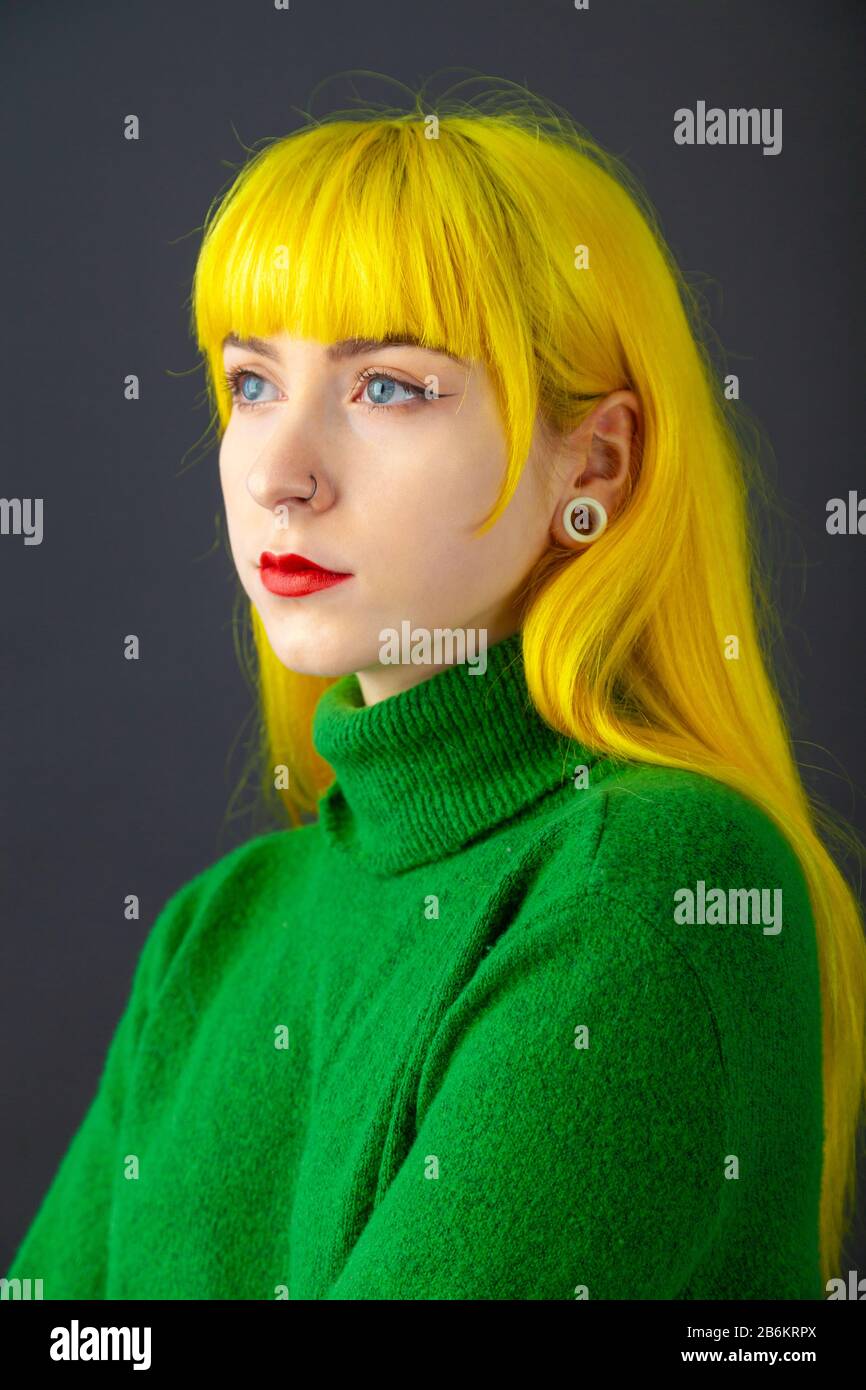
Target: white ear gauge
x,y
576,519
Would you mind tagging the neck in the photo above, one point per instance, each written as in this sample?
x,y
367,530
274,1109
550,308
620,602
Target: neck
x,y
425,771
410,655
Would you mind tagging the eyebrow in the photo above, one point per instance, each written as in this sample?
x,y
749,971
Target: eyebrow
x,y
348,347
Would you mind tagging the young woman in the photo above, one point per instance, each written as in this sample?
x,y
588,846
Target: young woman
x,y
559,994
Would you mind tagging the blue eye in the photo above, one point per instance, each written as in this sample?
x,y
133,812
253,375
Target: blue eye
x,y
382,389
252,387
246,388
382,386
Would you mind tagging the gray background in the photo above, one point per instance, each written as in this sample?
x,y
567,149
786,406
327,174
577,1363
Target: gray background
x,y
116,775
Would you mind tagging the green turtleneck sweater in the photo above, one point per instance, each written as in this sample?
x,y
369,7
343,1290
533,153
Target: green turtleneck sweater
x,y
458,1039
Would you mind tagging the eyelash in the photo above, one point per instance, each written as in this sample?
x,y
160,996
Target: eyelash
x,y
234,374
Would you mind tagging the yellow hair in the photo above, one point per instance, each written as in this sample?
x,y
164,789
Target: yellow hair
x,y
462,226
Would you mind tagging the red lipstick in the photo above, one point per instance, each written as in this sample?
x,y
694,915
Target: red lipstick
x,y
294,576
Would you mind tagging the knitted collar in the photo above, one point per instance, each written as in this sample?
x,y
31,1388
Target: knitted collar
x,y
423,772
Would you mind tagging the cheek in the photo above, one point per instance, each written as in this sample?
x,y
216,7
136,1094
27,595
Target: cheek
x,y
225,455
419,513
235,495
229,457
419,528
233,471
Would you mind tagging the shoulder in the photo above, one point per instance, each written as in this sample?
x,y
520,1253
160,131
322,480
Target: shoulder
x,y
639,831
248,866
247,863
215,897
666,873
589,968
600,934
676,876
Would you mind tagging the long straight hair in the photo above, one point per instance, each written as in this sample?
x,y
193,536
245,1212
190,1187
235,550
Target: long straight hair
x,y
500,230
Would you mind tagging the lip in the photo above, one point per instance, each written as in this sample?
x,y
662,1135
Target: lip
x,y
294,576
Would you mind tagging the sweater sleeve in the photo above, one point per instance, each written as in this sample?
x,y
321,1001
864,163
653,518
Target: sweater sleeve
x,y
570,1130
66,1244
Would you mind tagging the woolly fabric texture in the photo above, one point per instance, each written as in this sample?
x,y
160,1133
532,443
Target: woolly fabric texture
x,y
451,1042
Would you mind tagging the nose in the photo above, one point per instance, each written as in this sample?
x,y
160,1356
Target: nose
x,y
288,472
277,486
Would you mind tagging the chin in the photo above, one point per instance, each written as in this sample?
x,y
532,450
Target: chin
x,y
319,652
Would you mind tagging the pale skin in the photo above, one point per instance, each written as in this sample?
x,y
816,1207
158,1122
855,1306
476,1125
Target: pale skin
x,y
398,493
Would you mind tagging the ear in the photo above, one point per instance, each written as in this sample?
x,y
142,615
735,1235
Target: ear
x,y
600,453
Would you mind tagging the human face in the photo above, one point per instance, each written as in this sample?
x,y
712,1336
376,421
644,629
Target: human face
x,y
401,482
